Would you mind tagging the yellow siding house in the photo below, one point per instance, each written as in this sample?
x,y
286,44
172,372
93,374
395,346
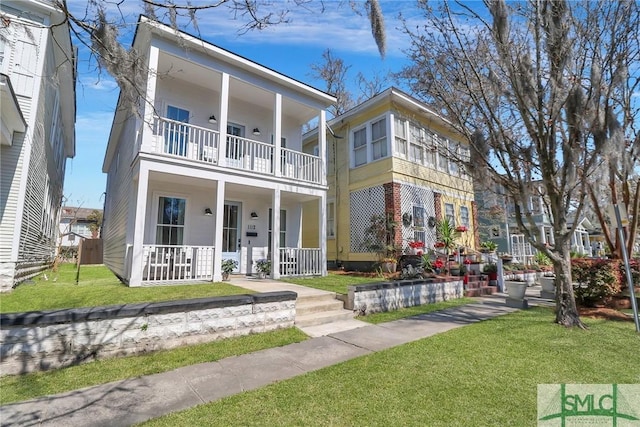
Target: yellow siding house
x,y
393,157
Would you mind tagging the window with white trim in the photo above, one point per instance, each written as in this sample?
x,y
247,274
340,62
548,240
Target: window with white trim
x,y
430,149
400,137
464,216
331,222
453,154
360,147
449,213
170,221
379,138
443,158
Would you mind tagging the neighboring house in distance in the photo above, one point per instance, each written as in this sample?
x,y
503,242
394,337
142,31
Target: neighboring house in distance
x,y
75,225
391,156
37,80
213,169
496,219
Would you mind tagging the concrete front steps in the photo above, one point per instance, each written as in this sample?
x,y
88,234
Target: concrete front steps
x,y
478,286
313,310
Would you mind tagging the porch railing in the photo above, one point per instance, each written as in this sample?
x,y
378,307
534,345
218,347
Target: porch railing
x,y
176,263
300,262
193,142
301,166
186,140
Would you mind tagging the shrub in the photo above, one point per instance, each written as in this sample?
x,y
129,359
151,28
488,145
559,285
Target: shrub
x,y
594,280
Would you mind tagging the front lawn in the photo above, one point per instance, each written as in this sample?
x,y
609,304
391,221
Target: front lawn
x,y
388,316
485,374
334,282
98,286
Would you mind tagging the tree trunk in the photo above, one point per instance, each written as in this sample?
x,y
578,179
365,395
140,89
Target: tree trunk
x,y
566,309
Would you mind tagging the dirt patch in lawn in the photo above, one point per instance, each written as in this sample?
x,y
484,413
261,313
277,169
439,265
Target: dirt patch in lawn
x,y
604,313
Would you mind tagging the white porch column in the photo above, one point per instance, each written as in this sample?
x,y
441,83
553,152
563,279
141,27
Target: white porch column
x,y
224,117
322,226
277,135
138,233
146,141
275,234
217,239
322,150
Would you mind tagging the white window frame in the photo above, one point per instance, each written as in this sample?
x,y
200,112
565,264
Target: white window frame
x,y
464,216
400,140
382,141
156,205
331,219
450,213
442,157
360,148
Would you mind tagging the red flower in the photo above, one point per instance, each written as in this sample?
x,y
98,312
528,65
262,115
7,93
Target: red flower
x,y
438,263
467,261
438,245
416,244
461,228
419,253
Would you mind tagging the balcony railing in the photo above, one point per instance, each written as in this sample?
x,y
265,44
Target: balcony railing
x,y
197,143
300,262
176,263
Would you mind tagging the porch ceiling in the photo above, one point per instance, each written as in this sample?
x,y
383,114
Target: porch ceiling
x,y
232,190
186,72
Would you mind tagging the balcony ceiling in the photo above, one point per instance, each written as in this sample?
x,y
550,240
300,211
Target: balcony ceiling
x,y
180,69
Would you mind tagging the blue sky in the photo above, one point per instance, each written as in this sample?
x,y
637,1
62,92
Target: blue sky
x,y
287,48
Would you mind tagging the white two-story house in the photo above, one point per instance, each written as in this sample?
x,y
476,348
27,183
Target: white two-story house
x,y
212,168
37,111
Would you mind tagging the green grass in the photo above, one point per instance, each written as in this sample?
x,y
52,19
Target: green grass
x,y
333,282
388,316
98,286
485,374
28,386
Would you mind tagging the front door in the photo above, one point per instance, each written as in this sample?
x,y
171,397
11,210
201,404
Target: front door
x,y
231,237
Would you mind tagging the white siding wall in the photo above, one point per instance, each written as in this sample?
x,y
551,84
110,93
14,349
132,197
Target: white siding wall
x,y
119,200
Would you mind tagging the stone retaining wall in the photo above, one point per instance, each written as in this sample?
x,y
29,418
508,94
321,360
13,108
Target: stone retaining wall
x,y
49,339
386,296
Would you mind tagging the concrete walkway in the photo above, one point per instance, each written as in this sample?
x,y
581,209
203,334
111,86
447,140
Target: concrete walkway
x,y
123,403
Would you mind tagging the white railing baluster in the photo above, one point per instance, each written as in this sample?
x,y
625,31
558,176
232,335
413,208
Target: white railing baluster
x,y
177,263
300,262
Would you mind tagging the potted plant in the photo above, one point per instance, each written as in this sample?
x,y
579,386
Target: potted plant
x,y
437,265
488,246
228,265
264,267
416,247
491,270
455,269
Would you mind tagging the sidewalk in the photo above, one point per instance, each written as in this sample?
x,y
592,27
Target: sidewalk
x,y
134,400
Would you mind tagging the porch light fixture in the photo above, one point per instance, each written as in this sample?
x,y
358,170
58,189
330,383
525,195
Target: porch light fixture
x,y
431,222
254,215
256,131
207,212
212,119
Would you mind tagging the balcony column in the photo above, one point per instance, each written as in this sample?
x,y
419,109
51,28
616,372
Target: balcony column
x,y
277,135
224,117
322,147
322,226
543,235
275,234
148,114
217,238
138,232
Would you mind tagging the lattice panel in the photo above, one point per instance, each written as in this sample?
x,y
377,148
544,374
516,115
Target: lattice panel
x,y
363,205
412,195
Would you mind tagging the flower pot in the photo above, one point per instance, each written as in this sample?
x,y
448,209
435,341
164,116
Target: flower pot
x,y
515,290
548,284
262,275
225,276
389,267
